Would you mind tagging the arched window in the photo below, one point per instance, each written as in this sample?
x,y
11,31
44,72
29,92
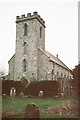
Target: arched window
x,y
40,32
25,29
24,65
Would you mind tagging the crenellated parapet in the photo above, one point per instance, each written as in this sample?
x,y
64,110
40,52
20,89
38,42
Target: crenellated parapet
x,y
30,16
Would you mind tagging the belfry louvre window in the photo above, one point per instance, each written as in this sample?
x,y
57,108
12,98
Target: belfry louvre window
x,y
40,32
25,29
24,65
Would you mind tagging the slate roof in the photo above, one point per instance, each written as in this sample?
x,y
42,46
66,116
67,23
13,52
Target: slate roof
x,y
54,59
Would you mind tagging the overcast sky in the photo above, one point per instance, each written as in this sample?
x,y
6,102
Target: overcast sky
x,y
61,33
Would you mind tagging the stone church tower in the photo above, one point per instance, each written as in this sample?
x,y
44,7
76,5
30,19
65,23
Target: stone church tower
x,y
30,35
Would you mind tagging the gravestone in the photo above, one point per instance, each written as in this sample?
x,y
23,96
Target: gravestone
x,y
21,95
12,92
31,111
40,94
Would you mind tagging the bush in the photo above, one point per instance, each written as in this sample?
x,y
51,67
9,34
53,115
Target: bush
x,y
50,88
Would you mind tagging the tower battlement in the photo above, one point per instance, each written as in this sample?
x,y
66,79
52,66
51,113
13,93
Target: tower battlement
x,y
30,16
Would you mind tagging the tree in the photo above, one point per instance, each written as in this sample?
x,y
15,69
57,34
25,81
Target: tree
x,y
76,79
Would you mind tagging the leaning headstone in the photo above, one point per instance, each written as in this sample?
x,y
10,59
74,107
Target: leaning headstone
x,y
32,111
40,94
12,92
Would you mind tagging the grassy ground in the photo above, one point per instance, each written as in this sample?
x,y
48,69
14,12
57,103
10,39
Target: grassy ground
x,y
15,108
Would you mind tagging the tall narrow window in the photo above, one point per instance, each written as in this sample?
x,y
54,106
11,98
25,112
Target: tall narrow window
x,y
25,29
64,76
40,32
61,74
24,65
57,74
25,48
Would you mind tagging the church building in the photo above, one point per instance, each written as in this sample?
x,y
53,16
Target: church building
x,y
30,58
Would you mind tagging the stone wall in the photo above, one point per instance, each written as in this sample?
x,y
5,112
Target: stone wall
x,y
49,70
61,70
45,67
11,63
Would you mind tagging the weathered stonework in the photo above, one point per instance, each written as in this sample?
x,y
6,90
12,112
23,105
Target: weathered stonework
x,y
11,63
31,59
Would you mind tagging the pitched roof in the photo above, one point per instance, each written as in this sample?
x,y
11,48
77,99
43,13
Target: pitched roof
x,y
54,59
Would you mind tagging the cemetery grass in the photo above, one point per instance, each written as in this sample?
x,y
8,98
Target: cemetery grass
x,y
15,108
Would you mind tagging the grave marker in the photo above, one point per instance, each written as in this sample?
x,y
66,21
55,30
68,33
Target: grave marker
x,y
12,92
32,111
40,94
